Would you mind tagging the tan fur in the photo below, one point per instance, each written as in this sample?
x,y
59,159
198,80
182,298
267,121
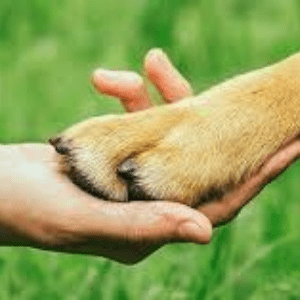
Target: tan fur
x,y
195,150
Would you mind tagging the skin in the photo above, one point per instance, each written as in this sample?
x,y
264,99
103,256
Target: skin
x,y
41,208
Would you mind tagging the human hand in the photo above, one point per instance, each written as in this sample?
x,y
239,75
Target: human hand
x,y
131,90
39,207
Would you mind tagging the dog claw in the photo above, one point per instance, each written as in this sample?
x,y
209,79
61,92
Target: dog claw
x,y
127,169
59,145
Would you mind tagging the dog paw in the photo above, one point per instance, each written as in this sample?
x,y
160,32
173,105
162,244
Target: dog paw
x,y
131,157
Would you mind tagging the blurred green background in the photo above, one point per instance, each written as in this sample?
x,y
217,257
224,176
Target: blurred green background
x,y
47,52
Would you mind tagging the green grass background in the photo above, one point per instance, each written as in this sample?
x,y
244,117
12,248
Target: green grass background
x,y
47,52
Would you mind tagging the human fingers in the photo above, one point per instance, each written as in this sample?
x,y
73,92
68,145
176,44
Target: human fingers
x,y
221,212
128,232
127,86
167,79
145,222
279,162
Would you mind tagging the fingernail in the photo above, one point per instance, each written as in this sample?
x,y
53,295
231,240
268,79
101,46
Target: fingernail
x,y
157,52
110,75
192,232
129,77
161,56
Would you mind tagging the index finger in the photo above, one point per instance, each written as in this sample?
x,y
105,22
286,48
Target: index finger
x,y
167,79
128,87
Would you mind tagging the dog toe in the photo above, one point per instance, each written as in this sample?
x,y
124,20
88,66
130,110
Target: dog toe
x,y
60,146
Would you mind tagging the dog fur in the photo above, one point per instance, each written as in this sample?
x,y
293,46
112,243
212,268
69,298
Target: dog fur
x,y
192,151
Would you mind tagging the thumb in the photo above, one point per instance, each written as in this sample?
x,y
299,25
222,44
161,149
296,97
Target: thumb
x,y
179,223
150,222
